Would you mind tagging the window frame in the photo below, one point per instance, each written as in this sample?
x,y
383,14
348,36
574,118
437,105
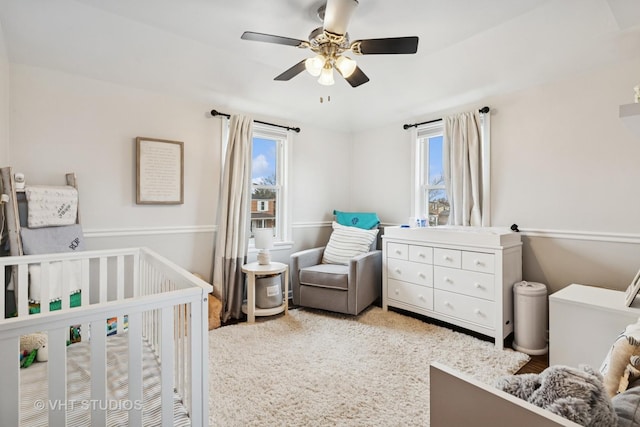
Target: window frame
x,y
423,135
282,187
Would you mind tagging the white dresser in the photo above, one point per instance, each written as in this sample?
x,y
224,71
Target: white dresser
x,y
460,275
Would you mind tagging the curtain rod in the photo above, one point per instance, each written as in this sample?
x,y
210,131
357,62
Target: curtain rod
x,y
483,110
218,113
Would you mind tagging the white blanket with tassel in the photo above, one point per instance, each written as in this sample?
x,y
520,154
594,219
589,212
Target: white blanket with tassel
x,y
51,206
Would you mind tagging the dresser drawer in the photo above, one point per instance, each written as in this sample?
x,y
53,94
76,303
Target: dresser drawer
x,y
423,254
464,307
447,257
409,293
478,261
397,250
480,285
414,272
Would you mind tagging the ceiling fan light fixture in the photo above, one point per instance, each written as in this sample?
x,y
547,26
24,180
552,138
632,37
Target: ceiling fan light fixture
x,y
326,76
314,65
345,65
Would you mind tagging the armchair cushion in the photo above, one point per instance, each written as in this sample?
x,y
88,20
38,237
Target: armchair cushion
x,y
328,275
346,243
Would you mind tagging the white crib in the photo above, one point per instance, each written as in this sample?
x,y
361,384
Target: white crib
x,y
166,308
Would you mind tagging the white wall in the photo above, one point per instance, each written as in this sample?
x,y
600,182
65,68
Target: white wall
x,y
564,166
63,123
4,99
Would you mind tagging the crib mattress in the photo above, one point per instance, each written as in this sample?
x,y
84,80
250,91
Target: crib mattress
x,y
34,388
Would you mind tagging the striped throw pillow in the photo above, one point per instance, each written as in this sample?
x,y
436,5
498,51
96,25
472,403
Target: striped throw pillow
x,y
347,242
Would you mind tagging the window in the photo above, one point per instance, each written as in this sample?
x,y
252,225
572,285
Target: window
x,y
432,194
269,207
429,198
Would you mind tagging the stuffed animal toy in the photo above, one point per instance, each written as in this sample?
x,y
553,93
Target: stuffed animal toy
x,y
619,368
575,394
30,343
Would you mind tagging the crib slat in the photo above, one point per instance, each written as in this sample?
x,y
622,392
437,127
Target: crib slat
x,y
120,288
22,290
2,280
66,279
103,279
166,374
57,367
98,372
136,274
85,295
10,384
135,368
45,287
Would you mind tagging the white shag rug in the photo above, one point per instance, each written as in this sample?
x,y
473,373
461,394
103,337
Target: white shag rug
x,y
313,368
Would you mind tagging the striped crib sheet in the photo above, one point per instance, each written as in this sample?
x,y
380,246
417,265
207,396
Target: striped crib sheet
x,y
34,388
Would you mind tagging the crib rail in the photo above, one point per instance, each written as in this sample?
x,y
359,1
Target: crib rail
x,y
166,308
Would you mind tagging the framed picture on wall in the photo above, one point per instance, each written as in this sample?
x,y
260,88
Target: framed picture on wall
x,y
159,171
632,290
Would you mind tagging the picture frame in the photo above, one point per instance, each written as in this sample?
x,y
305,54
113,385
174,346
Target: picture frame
x,y
632,290
159,171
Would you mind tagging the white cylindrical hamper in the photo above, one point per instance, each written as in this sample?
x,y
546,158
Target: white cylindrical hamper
x,y
530,314
269,291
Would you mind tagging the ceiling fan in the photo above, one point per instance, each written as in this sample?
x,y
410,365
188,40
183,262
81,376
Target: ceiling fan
x,y
331,41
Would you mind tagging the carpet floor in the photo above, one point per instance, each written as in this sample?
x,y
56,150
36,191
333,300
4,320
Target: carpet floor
x,y
313,368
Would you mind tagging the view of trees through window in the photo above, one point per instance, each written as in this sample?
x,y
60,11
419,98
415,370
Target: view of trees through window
x,y
265,187
433,185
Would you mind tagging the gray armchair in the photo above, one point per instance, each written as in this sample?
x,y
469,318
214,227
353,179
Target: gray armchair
x,y
340,288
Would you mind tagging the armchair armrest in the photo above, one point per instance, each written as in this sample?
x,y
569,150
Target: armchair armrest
x,y
300,260
365,271
306,258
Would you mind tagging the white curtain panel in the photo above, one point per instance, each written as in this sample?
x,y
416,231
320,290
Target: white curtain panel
x,y
462,168
234,218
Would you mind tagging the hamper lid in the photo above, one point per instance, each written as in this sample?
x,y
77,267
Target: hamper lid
x,y
530,288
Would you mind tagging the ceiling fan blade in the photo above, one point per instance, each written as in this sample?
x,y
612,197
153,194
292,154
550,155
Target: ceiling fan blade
x,y
268,38
337,15
397,45
292,72
356,78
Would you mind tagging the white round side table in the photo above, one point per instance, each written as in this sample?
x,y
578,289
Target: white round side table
x,y
254,269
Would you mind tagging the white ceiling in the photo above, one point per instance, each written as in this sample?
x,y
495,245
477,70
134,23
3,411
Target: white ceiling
x,y
469,50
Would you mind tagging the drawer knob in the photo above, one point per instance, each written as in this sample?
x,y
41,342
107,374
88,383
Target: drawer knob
x,y
422,255
447,279
397,292
398,252
447,304
479,263
447,258
421,275
477,285
421,297
478,312
397,270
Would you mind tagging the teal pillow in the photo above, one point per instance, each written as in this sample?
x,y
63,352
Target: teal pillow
x,y
364,220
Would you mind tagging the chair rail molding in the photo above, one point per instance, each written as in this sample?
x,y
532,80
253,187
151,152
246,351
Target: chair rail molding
x,y
143,231
594,236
